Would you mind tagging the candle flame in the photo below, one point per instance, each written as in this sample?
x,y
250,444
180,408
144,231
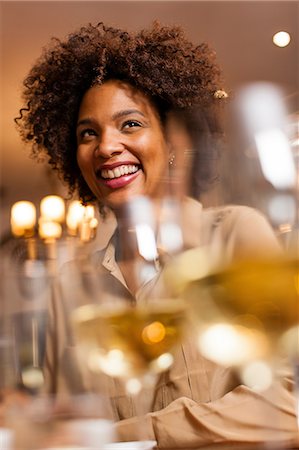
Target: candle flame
x,y
23,218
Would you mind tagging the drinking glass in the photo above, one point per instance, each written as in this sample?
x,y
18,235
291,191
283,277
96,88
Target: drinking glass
x,y
127,339
246,311
45,422
25,293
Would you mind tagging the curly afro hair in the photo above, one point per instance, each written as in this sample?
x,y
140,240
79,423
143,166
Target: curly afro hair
x,y
160,61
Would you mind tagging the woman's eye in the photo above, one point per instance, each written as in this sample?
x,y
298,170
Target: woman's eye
x,y
87,132
131,124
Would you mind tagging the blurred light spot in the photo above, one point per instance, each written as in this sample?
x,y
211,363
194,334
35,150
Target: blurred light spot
x,y
133,386
281,39
146,272
282,210
276,158
285,228
230,345
262,107
48,230
257,375
52,208
146,242
6,439
153,333
141,216
289,342
194,264
74,216
170,232
112,363
164,361
32,377
171,237
84,313
23,217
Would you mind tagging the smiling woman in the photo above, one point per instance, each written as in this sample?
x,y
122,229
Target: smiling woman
x,y
75,68
121,149
113,110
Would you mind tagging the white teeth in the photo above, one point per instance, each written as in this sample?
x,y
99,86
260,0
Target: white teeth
x,y
118,171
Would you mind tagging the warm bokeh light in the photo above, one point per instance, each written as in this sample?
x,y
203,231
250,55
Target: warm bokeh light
x,y
276,157
141,215
32,377
89,212
146,241
23,218
289,342
133,386
153,333
231,344
257,375
48,229
52,208
164,361
112,362
74,216
281,39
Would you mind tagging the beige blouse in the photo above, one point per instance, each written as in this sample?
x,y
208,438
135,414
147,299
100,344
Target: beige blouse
x,y
195,403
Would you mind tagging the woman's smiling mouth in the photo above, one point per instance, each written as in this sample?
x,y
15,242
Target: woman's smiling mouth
x,y
119,171
119,176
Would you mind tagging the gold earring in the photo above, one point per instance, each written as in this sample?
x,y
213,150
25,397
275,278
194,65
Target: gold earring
x,y
171,159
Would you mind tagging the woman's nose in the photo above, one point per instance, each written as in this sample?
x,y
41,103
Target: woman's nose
x,y
109,144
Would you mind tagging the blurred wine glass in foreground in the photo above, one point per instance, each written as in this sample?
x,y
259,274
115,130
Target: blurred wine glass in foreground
x,y
26,290
130,338
44,422
246,311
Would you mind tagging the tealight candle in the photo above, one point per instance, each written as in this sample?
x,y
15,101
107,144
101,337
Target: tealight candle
x,y
23,218
89,212
48,229
74,216
88,224
52,208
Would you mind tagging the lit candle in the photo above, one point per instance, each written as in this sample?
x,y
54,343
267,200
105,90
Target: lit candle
x,y
52,208
23,218
48,229
89,212
94,224
74,216
88,224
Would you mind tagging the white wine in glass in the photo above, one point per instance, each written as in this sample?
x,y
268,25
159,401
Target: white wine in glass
x,y
130,341
245,311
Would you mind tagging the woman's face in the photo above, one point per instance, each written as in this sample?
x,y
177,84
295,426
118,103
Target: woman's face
x,y
121,148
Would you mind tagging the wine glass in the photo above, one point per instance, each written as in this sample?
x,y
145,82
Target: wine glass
x,y
129,340
245,307
26,290
77,421
266,164
33,418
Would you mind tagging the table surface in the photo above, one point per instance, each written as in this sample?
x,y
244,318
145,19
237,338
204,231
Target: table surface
x,y
263,446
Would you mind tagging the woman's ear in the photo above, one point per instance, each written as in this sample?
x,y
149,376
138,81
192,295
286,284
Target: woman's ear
x,y
177,137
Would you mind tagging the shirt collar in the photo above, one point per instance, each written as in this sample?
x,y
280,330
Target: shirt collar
x,y
191,214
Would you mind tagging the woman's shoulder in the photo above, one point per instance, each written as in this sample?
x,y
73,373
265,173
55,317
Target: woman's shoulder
x,y
245,230
225,221
226,215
